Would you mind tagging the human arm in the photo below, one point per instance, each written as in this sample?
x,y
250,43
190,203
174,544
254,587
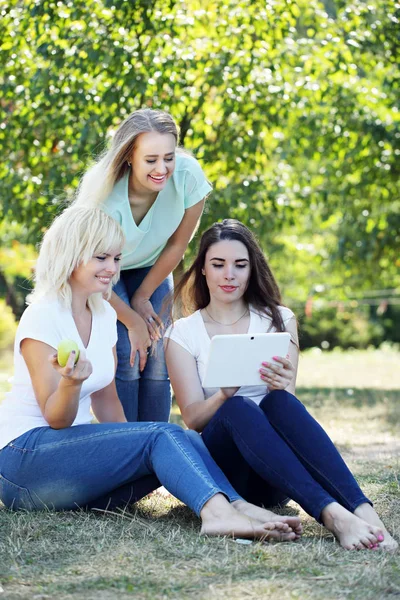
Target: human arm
x,y
282,372
57,389
164,265
137,329
106,405
195,409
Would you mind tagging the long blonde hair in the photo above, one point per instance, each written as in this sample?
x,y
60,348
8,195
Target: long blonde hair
x,y
99,180
74,237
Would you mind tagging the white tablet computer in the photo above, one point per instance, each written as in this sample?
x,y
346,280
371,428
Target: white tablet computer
x,y
235,360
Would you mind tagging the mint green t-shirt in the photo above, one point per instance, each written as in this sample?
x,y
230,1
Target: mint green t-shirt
x,y
145,242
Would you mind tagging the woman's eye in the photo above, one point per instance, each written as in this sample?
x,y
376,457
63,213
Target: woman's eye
x,y
169,159
217,266
150,162
117,258
101,257
241,266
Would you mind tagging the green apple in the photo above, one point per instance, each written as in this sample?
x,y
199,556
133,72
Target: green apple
x,y
64,349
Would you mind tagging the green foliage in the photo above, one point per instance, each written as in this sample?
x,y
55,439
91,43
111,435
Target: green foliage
x,y
7,325
329,328
292,108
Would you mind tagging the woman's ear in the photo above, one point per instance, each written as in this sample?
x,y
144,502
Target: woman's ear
x,y
203,272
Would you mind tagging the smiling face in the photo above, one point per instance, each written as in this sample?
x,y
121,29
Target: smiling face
x,y
153,161
96,275
227,270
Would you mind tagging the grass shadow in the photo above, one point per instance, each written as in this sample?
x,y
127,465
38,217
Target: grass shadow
x,y
354,398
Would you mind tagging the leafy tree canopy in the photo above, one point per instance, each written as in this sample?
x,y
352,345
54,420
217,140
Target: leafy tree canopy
x,y
291,106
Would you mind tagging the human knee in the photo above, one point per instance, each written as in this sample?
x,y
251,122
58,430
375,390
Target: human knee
x,y
236,405
168,428
194,437
278,401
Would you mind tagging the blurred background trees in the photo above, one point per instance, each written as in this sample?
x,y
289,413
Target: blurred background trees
x,y
292,107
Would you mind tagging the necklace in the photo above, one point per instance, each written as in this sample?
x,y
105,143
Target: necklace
x,y
227,324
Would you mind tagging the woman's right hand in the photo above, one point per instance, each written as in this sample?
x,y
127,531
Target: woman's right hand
x,y
140,341
73,373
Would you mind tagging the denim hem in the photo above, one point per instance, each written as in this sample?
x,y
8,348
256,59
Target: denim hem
x,y
324,504
341,497
356,504
198,505
362,500
233,497
301,499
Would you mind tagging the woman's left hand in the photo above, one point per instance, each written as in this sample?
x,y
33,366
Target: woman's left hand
x,y
279,374
144,308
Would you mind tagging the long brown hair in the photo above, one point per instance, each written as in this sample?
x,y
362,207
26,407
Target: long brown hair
x,y
262,292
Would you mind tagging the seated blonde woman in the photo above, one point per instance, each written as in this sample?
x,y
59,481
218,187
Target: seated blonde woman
x,y
51,455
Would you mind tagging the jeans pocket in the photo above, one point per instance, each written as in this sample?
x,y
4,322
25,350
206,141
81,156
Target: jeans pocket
x,y
15,497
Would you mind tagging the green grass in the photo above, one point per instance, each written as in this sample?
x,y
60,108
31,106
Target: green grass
x,y
155,551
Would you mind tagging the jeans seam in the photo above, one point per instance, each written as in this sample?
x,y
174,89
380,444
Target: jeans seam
x,y
322,475
226,419
214,490
85,437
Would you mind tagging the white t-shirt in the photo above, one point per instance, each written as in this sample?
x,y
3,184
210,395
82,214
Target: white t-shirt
x,y
49,322
191,334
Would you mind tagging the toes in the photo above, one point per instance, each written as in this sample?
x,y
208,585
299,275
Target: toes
x,y
277,526
366,543
360,546
372,539
277,536
377,534
349,546
271,525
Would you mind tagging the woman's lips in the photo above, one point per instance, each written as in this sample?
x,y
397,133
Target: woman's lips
x,y
228,288
158,179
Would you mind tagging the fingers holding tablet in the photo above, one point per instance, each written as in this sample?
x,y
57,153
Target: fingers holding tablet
x,y
278,374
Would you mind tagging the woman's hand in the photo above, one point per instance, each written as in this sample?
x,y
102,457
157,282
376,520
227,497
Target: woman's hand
x,y
279,374
140,341
228,392
144,308
72,373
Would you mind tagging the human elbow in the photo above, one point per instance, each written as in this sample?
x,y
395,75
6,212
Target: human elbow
x,y
55,423
192,422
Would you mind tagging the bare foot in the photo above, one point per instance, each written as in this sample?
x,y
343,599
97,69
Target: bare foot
x,y
368,514
221,518
263,515
351,532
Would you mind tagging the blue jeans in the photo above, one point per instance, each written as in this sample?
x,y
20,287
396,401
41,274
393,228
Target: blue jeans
x,y
146,395
278,450
107,465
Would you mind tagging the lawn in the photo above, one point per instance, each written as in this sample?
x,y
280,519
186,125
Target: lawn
x,y
155,551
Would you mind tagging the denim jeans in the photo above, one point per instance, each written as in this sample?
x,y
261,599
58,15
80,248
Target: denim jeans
x,y
146,395
107,465
278,450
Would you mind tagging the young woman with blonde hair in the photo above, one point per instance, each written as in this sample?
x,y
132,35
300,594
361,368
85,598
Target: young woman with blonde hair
x,y
156,192
262,437
51,454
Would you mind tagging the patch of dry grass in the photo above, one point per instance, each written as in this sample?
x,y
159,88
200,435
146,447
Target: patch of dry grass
x,y
155,550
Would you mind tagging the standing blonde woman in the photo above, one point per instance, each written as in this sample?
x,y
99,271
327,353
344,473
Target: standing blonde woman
x,y
156,192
